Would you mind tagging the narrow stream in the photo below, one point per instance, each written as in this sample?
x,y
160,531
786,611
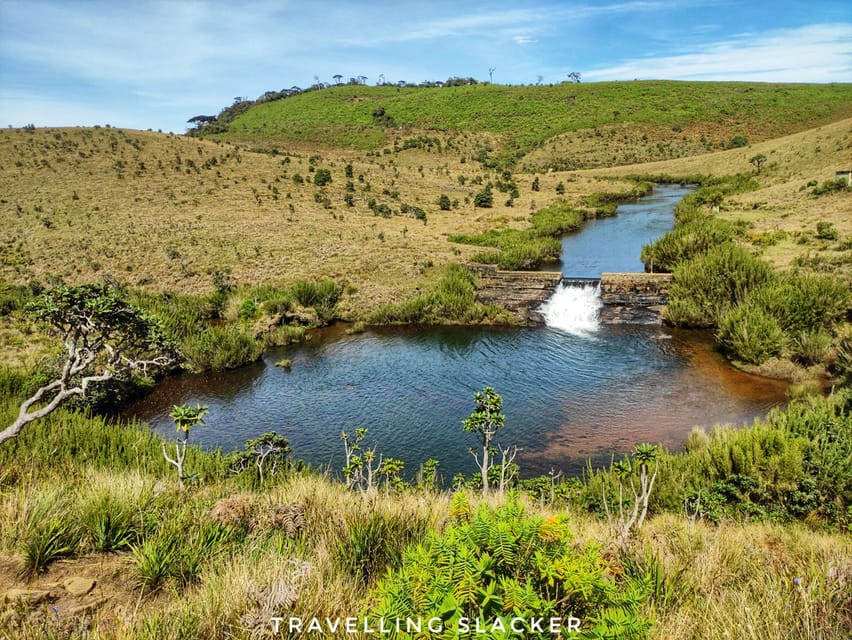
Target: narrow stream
x,y
572,391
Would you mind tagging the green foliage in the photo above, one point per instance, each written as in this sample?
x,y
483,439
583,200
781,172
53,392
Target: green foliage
x,y
826,231
748,333
526,248
220,347
804,303
502,564
370,543
737,142
452,300
444,203
109,523
829,187
345,116
484,199
49,533
322,177
322,296
706,287
266,455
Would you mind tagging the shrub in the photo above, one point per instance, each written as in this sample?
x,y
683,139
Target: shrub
x,y
826,231
705,287
749,333
369,543
322,296
484,199
322,177
108,523
804,303
503,564
220,347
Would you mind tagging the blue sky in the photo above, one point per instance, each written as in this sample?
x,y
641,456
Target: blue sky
x,y
144,64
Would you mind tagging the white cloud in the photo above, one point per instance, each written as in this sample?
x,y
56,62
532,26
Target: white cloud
x,y
814,53
522,40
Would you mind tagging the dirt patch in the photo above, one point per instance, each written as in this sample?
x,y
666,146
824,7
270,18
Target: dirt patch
x,y
108,605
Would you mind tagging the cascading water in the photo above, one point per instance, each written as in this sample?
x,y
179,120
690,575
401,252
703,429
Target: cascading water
x,y
573,309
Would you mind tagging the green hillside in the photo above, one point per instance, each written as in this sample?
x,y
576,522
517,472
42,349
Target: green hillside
x,y
524,117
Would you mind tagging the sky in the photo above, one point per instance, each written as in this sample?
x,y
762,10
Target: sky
x,y
143,64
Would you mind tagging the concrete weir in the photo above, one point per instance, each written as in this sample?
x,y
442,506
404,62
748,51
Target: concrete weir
x,y
631,298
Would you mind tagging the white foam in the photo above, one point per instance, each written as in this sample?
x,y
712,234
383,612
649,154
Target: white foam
x,y
573,309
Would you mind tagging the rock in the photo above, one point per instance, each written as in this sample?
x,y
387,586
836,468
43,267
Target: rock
x,y
32,595
79,586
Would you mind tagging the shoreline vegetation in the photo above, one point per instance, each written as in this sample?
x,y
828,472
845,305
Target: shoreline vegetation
x,y
362,203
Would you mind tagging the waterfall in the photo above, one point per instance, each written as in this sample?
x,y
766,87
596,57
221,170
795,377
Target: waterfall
x,y
573,309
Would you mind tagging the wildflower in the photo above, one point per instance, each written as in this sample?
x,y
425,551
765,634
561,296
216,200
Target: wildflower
x,y
797,580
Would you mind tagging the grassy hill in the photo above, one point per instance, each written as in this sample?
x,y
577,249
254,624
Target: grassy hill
x,y
682,117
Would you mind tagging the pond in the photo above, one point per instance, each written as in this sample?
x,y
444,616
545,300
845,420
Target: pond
x,y
571,391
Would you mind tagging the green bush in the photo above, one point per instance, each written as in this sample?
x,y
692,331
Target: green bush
x,y
804,303
706,287
370,543
696,235
526,248
220,347
811,347
748,333
322,296
452,299
502,564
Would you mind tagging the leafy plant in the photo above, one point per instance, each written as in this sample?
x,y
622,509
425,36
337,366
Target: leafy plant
x,y
503,564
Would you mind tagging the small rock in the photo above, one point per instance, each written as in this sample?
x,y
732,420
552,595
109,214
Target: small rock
x,y
33,596
79,586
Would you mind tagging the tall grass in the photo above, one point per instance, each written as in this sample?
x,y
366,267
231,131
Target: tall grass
x,y
526,248
220,347
452,300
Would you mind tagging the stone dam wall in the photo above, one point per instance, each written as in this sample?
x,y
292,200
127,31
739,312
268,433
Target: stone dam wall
x,y
521,292
634,298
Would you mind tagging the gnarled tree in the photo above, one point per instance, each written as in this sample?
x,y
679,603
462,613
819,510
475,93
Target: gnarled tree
x,y
104,337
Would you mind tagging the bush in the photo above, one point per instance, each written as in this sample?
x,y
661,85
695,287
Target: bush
x,y
322,296
826,231
322,177
502,563
804,303
220,347
705,287
747,332
484,199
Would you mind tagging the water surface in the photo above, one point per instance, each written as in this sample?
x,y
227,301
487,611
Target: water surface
x,y
570,394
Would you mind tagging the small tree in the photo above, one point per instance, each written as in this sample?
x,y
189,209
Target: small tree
x,y
628,520
485,421
484,199
322,177
444,203
560,188
536,185
267,453
186,418
359,470
104,338
758,161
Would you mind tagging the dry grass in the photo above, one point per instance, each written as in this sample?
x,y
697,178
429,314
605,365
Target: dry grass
x,y
163,212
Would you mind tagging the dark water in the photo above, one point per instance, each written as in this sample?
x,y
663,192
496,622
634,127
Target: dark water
x,y
566,397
